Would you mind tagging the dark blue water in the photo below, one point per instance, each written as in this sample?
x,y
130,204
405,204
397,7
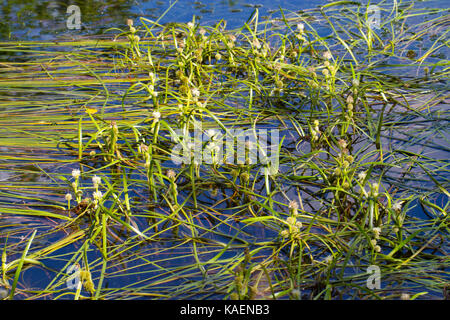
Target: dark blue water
x,y
46,20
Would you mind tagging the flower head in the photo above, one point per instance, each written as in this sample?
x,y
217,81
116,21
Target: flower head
x,y
284,233
300,27
350,99
76,173
374,189
68,197
405,296
232,37
327,55
328,259
397,206
256,44
96,180
171,174
362,175
195,92
291,220
376,232
156,115
342,144
97,195
293,205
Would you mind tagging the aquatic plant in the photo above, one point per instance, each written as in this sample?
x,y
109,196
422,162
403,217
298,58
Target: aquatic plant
x,y
362,176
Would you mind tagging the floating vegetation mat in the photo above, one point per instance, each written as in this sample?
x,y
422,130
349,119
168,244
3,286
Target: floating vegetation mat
x,y
349,202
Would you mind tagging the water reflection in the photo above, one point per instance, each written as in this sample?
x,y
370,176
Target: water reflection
x,y
46,20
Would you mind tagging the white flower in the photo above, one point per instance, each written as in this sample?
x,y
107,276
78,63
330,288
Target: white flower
x,y
152,77
291,220
355,82
405,296
68,197
256,44
376,232
190,25
293,205
342,143
327,55
397,206
284,233
96,180
195,92
171,174
97,195
374,189
156,115
76,173
362,176
300,27
350,99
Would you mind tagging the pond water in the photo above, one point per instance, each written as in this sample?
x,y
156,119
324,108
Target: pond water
x,y
46,20
32,169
